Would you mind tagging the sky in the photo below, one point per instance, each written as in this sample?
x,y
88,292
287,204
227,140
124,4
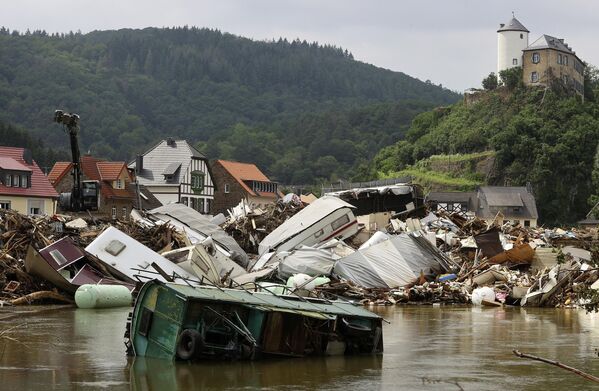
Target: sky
x,y
449,42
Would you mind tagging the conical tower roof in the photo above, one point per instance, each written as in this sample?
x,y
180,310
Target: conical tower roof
x,y
513,25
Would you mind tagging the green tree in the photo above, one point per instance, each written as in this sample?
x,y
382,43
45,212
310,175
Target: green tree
x,y
511,78
490,82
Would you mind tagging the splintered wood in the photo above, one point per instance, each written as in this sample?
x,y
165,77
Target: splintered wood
x,y
18,231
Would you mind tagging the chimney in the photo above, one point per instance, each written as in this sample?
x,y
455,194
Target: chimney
x,y
170,142
501,25
139,163
27,156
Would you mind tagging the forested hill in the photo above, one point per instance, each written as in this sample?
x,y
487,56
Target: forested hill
x,y
540,136
132,87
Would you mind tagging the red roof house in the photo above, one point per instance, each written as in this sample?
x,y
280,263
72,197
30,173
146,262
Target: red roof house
x,y
23,186
236,181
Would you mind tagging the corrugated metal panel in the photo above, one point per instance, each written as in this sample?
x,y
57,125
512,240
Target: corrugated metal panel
x,y
271,301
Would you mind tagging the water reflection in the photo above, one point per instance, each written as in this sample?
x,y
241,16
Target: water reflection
x,y
308,374
426,348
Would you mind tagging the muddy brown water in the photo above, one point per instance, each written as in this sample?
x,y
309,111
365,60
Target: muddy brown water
x,y
426,348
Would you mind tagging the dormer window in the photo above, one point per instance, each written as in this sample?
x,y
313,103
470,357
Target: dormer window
x,y
16,180
170,171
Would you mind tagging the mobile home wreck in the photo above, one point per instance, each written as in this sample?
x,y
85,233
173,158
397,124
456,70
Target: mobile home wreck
x,y
183,322
324,219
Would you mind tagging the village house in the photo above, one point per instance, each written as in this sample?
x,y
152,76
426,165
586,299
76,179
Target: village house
x,y
500,203
117,191
23,186
546,60
236,181
175,171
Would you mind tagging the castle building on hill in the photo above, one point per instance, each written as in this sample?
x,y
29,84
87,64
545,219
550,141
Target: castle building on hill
x,y
546,60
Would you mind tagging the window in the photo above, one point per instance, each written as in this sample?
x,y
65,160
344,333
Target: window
x,y
534,77
227,188
536,58
200,205
527,223
124,213
197,182
23,180
58,257
113,212
185,201
566,79
8,180
565,60
515,61
15,181
4,204
119,183
35,207
341,221
521,36
559,58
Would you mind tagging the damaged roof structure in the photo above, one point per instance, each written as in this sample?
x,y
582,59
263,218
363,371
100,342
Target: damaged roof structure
x,y
506,203
401,198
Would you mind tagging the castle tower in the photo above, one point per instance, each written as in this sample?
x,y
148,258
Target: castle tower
x,y
512,38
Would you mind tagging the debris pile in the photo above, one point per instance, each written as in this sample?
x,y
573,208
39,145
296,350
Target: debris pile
x,y
18,232
248,226
319,249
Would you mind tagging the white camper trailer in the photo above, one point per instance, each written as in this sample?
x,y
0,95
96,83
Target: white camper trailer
x,y
322,220
135,260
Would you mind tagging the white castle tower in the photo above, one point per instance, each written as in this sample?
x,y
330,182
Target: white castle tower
x,y
512,38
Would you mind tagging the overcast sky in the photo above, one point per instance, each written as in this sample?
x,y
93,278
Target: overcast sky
x,y
452,42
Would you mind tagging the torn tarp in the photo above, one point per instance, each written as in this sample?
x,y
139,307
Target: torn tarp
x,y
179,214
392,263
306,260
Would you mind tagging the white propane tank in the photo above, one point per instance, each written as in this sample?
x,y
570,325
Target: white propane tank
x,y
102,296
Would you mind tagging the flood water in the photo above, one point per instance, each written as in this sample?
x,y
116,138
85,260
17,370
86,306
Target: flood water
x,y
426,348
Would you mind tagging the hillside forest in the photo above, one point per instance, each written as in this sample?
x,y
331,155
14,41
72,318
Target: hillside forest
x,y
303,112
545,136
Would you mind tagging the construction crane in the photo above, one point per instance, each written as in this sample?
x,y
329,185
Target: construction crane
x,y
84,194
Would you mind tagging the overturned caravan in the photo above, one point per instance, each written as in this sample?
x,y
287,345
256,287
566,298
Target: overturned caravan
x,y
193,323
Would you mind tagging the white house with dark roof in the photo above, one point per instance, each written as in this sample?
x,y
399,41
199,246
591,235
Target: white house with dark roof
x,y
175,171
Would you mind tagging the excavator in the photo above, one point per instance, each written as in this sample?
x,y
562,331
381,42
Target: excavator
x,y
84,195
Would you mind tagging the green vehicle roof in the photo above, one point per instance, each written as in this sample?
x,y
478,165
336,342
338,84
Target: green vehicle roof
x,y
267,300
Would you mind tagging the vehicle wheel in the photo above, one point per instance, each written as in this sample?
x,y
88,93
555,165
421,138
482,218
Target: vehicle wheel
x,y
190,343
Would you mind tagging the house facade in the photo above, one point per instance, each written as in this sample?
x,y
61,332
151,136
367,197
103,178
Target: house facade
x,y
117,192
546,60
175,171
23,186
515,204
236,181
